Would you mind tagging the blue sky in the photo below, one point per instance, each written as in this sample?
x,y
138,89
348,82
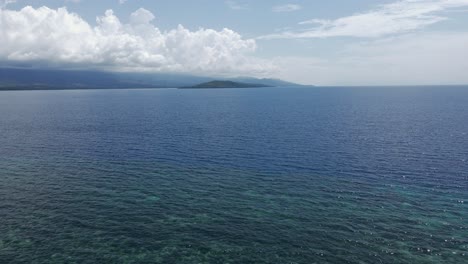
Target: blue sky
x,y
333,42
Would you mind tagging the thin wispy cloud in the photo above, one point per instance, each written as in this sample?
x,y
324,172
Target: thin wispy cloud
x,y
286,8
4,3
235,5
398,17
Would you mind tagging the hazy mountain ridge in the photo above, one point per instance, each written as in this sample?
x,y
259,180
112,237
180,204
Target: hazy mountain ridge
x,y
19,79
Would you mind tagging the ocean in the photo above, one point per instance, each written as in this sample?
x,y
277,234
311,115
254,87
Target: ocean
x,y
268,175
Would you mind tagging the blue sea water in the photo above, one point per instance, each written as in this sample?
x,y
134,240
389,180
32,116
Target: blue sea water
x,y
280,175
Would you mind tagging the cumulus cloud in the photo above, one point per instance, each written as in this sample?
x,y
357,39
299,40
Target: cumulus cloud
x,y
398,17
59,37
286,8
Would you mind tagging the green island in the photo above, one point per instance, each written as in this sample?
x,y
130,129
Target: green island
x,y
226,84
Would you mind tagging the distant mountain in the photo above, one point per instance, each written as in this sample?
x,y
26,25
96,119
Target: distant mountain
x,y
40,79
269,82
226,84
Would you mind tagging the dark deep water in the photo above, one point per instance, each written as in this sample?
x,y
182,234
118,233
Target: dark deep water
x,y
318,175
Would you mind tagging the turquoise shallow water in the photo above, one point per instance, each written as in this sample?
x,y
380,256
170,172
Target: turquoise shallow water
x,y
322,175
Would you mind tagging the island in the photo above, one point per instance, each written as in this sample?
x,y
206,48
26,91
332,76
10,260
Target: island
x,y
226,84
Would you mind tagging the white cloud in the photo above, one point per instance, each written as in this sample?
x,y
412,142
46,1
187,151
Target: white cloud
x,y
286,8
414,59
234,5
63,38
141,17
399,17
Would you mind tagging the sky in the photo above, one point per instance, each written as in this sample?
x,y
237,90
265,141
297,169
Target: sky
x,y
332,42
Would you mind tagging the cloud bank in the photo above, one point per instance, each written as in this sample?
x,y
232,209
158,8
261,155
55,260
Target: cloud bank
x,y
412,59
398,17
59,37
